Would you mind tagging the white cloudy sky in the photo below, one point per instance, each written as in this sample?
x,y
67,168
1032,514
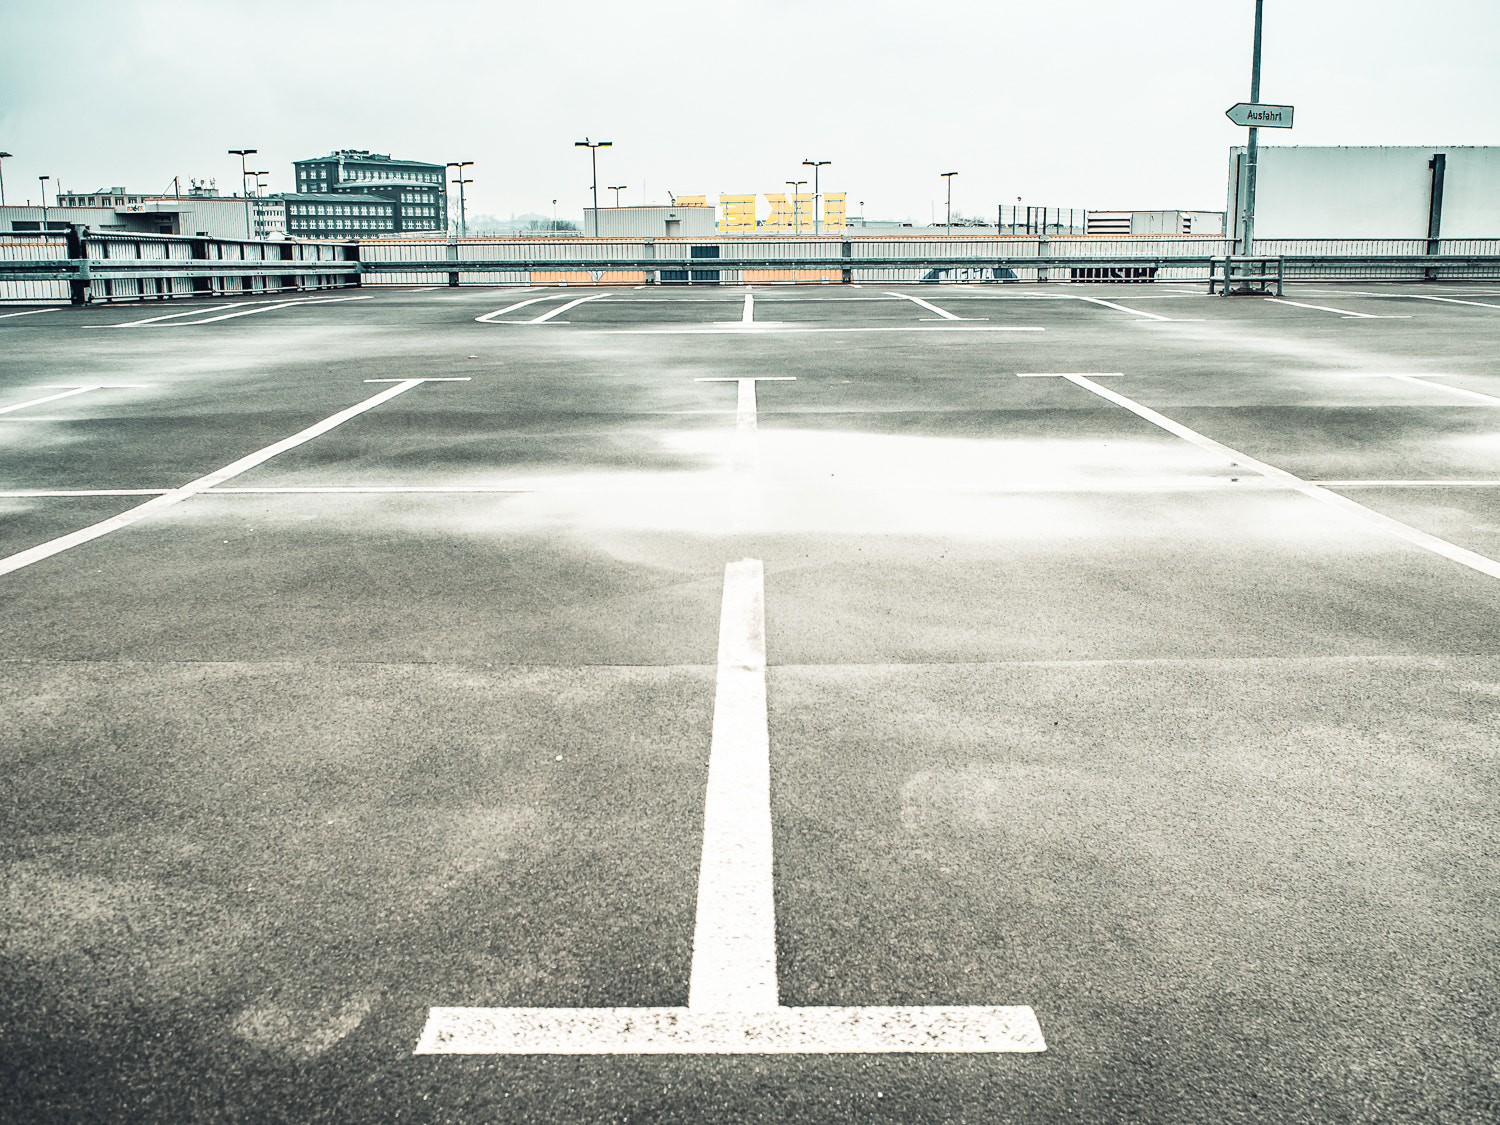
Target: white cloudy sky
x,y
1076,103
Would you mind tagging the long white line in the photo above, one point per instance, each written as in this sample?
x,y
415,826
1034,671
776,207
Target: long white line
x,y
1408,483
734,942
1345,313
732,992
564,308
29,312
1117,308
1453,551
202,484
1424,381
1445,300
157,319
46,398
930,307
488,318
20,493
762,328
266,308
748,316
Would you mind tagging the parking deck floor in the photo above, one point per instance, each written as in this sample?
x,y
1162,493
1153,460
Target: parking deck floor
x,y
1128,664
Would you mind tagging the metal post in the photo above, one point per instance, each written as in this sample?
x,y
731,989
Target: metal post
x,y
815,165
242,153
949,177
593,147
44,180
796,214
3,155
1254,138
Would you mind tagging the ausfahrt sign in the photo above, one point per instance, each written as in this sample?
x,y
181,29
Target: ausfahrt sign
x,y
1263,116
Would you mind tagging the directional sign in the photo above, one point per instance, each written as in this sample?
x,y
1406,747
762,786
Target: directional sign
x,y
1264,116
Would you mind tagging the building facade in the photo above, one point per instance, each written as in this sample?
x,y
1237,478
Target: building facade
x,y
413,190
200,211
344,214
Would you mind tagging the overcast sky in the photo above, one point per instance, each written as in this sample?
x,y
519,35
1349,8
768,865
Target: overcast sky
x,y
1104,104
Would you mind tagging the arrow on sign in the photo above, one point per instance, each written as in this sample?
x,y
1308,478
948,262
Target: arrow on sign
x,y
1263,116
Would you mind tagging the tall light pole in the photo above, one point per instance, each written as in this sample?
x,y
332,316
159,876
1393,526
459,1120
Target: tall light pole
x,y
463,226
1250,148
44,180
259,217
949,177
815,165
3,155
617,189
796,214
242,153
594,147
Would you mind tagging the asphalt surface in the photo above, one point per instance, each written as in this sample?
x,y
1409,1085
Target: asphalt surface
x,y
1065,710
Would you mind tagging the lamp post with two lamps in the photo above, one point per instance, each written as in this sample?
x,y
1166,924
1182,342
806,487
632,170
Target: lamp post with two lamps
x,y
815,165
44,180
617,189
594,147
244,174
463,225
796,214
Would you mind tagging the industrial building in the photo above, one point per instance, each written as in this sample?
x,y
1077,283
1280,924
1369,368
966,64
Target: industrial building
x,y
202,211
414,190
1426,192
683,221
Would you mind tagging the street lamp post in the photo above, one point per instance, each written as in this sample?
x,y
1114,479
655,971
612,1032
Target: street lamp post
x,y
44,180
244,173
259,215
617,189
815,165
594,147
949,177
796,214
463,225
3,155
1251,145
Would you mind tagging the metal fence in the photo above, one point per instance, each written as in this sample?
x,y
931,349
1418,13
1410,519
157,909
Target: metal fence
x,y
83,266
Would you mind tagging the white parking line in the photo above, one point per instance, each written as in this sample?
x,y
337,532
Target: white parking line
x,y
733,998
1345,313
46,398
489,318
1118,308
564,308
1461,555
30,312
765,328
202,484
261,309
158,319
1424,381
746,505
748,316
1445,300
930,307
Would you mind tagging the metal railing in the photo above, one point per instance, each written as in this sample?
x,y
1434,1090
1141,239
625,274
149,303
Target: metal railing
x,y
84,266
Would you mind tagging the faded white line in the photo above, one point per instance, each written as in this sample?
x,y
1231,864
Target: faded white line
x,y
1407,483
1424,381
46,398
1345,313
747,503
930,307
564,308
202,484
1452,551
266,308
1445,300
1118,308
748,316
30,312
159,319
488,318
768,330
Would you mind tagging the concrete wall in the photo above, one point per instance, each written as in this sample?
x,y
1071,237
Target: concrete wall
x,y
1375,192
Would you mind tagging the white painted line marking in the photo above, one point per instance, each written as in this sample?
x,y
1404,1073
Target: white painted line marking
x,y
1345,313
732,993
684,1031
748,316
1069,374
30,312
263,309
46,398
1407,483
564,308
1423,381
489,318
764,328
23,492
1445,300
202,484
158,319
930,307
1118,308
747,503
1452,551
428,379
734,942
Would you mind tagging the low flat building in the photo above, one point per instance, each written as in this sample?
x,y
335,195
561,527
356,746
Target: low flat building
x,y
691,221
200,211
